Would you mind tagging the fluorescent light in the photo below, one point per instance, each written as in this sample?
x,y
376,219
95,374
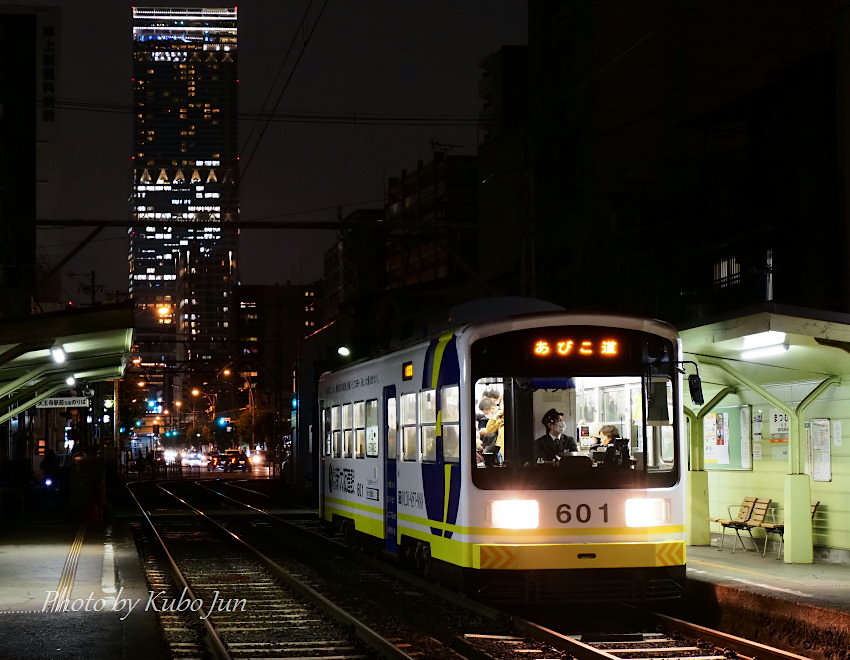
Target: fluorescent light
x,y
58,354
762,339
767,351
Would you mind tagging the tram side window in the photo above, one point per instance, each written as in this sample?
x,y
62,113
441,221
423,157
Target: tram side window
x,y
336,430
392,429
372,427
360,429
408,427
428,422
347,431
450,415
326,431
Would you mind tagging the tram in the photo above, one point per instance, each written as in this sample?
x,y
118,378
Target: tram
x,y
403,463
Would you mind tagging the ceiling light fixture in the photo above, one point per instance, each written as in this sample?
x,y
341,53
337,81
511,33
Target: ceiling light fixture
x,y
764,339
58,354
765,351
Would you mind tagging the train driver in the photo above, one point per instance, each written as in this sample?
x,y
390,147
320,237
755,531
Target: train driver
x,y
554,443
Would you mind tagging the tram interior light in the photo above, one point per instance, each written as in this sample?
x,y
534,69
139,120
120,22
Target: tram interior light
x,y
344,351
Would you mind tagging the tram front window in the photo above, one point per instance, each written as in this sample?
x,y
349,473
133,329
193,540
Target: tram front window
x,y
574,432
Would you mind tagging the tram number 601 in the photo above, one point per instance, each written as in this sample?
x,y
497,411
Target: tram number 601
x,y
582,513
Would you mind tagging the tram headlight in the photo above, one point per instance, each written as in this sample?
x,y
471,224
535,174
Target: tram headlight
x,y
515,514
647,512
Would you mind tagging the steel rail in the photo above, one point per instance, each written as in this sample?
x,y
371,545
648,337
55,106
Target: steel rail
x,y
369,637
214,642
731,642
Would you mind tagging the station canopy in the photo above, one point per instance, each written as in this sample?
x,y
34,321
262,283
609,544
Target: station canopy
x,y
39,354
768,345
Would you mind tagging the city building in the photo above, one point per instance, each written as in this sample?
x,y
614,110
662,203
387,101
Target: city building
x,y
272,321
679,174
185,201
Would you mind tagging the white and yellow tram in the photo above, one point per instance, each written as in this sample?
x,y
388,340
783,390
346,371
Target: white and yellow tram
x,y
402,458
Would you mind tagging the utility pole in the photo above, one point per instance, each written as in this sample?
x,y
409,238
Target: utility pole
x,y
89,288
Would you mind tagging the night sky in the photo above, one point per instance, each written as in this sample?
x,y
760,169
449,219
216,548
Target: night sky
x,y
411,58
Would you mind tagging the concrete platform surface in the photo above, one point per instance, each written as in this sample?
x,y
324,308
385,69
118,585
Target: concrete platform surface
x,y
63,592
802,608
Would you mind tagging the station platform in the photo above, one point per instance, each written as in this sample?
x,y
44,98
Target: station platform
x,y
804,608
43,562
65,592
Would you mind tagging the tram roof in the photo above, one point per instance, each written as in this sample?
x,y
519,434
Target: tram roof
x,y
96,342
817,341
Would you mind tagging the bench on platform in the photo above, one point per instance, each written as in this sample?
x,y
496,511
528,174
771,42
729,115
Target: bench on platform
x,y
779,528
751,513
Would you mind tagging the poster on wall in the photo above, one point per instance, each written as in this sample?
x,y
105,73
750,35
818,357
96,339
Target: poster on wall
x,y
746,440
727,438
819,448
709,433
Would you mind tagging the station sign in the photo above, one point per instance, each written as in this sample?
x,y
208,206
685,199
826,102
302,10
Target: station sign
x,y
64,402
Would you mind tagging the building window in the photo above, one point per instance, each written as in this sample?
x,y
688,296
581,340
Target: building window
x,y
727,272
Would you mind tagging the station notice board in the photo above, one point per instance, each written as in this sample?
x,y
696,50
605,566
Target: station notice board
x,y
727,438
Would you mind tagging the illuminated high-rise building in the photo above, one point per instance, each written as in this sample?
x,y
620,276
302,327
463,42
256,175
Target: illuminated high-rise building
x,y
183,242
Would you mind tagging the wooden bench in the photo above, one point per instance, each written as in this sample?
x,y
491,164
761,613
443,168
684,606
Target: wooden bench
x,y
751,513
779,528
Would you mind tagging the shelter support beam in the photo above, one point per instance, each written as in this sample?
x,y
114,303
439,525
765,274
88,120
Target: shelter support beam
x,y
30,403
698,528
797,491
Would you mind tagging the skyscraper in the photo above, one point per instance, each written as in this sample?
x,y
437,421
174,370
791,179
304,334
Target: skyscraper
x,y
183,242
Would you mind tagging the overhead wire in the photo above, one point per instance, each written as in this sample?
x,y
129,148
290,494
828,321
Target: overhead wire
x,y
293,69
280,69
304,117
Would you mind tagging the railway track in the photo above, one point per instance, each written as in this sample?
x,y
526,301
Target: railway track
x,y
216,596
412,617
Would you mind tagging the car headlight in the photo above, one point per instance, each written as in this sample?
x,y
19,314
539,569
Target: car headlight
x,y
515,514
647,512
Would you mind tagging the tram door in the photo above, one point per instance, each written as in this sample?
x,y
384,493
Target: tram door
x,y
389,430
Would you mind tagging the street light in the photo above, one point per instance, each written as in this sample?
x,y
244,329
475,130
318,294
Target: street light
x,y
249,385
212,399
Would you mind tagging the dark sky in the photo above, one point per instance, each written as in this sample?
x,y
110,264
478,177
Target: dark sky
x,y
389,57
